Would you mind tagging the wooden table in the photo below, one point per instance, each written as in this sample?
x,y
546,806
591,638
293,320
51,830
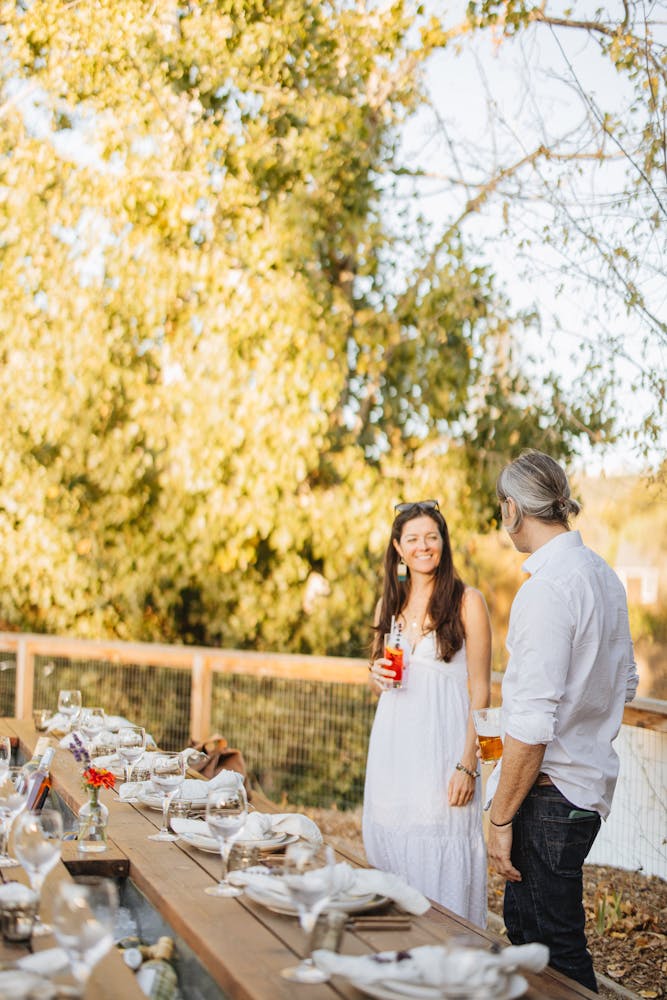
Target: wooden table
x,y
242,945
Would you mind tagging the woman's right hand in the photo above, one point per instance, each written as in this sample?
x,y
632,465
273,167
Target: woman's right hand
x,y
380,675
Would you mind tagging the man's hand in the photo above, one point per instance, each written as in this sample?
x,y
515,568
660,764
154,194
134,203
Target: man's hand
x,y
499,850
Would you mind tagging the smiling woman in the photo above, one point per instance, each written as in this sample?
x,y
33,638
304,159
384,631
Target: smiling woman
x,y
422,802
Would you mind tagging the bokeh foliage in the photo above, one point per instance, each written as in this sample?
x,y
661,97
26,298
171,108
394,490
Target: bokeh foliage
x,y
224,353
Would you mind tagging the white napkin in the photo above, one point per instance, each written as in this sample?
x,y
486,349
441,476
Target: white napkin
x,y
192,789
60,723
16,893
358,882
44,963
259,826
435,965
18,984
363,880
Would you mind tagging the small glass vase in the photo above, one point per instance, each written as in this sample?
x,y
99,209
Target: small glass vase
x,y
93,820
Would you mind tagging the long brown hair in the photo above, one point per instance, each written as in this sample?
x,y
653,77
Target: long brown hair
x,y
444,607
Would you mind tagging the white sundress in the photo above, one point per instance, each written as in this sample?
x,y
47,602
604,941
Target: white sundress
x,y
408,826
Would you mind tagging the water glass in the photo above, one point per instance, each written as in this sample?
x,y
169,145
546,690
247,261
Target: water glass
x,y
12,801
84,918
37,842
226,814
69,705
130,746
91,724
308,874
167,776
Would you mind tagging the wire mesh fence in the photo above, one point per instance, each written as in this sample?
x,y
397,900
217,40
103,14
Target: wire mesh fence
x,y
302,740
7,683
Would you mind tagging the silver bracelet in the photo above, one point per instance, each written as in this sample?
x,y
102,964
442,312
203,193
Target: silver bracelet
x,y
471,774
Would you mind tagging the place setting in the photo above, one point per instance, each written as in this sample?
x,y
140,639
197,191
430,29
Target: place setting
x,y
458,970
351,890
265,831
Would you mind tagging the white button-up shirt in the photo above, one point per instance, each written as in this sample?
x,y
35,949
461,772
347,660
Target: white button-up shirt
x,y
571,668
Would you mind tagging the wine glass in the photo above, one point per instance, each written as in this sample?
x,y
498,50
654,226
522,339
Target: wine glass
x,y
91,724
69,705
308,876
12,801
37,842
130,745
167,775
226,813
5,755
84,918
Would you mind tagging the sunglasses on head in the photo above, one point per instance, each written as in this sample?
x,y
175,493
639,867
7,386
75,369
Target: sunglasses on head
x,y
400,508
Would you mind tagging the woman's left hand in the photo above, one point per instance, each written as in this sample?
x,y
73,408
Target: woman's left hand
x,y
461,789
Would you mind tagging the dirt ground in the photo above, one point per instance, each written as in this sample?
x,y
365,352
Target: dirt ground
x,y
626,914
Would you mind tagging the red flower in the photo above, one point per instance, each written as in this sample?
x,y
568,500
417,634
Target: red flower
x,y
98,777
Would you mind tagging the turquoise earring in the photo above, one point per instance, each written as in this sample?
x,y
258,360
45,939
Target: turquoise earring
x,y
402,572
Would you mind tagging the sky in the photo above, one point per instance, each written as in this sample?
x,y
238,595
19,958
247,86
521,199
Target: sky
x,y
498,102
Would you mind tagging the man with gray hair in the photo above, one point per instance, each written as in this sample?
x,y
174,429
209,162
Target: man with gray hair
x,y
571,669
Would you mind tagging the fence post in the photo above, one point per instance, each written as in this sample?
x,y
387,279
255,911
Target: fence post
x,y
201,693
25,680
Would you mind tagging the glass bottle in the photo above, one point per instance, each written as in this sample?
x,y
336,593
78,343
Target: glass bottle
x,y
39,783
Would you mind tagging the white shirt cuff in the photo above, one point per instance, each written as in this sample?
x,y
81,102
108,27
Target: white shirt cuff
x,y
531,727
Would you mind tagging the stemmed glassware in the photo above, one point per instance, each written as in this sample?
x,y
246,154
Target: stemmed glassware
x,y
308,875
91,724
226,813
130,745
167,775
5,755
37,842
84,918
69,705
12,802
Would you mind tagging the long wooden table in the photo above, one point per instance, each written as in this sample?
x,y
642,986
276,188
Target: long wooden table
x,y
242,945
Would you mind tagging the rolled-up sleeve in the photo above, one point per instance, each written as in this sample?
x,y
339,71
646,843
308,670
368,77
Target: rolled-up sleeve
x,y
540,645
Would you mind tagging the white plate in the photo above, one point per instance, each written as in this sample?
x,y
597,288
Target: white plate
x,y
154,801
394,989
210,844
348,904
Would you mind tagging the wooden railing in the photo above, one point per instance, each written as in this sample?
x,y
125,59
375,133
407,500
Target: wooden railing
x,y
203,662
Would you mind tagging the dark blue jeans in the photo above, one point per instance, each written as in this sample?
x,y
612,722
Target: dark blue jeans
x,y
549,847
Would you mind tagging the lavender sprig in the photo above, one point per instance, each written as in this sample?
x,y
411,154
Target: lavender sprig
x,y
80,751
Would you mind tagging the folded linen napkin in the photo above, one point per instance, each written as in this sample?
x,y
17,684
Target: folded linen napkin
x,y
44,963
59,723
19,984
192,789
358,882
259,826
436,965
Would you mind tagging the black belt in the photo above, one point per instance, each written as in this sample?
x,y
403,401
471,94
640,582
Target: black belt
x,y
543,779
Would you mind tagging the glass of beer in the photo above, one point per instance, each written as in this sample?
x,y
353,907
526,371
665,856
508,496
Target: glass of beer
x,y
487,725
393,652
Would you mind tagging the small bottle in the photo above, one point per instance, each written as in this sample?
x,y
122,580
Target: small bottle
x,y
156,977
39,783
30,766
